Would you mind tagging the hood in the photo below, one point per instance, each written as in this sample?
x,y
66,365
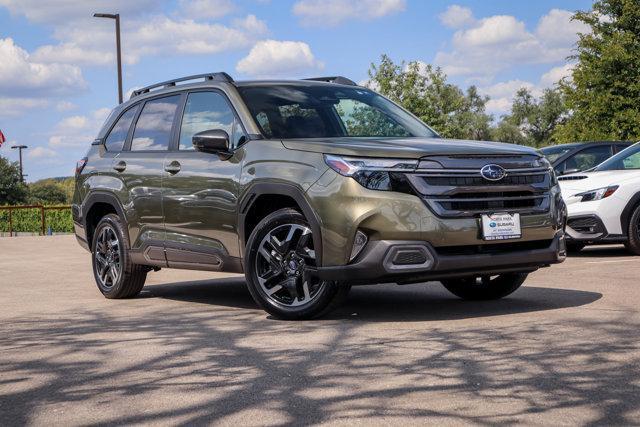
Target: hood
x,y
585,181
407,148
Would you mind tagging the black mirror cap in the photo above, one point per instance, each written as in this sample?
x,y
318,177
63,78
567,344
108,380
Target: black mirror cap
x,y
214,141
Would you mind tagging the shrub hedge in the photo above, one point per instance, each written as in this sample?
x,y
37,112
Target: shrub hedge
x,y
28,220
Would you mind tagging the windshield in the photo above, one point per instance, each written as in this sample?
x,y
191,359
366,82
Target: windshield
x,y
627,159
326,111
554,153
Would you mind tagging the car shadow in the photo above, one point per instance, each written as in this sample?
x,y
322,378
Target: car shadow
x,y
376,303
608,251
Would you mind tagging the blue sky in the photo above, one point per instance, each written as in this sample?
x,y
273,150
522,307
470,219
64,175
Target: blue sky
x,y
58,78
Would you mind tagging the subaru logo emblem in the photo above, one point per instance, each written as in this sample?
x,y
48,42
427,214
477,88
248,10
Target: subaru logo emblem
x,y
493,172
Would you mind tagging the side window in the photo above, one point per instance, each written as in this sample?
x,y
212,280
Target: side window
x,y
589,157
153,129
263,122
118,135
205,111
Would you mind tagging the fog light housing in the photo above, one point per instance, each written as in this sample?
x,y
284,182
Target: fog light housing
x,y
358,244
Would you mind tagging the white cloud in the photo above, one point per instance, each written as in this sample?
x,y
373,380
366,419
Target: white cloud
x,y
499,42
41,152
87,43
554,75
14,107
502,93
206,9
556,29
457,17
65,106
72,53
270,58
334,12
21,76
63,11
78,131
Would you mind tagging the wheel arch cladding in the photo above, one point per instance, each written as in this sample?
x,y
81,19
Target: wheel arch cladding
x,y
264,198
96,206
625,217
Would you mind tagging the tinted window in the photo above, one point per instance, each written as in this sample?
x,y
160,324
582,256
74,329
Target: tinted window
x,y
588,158
626,159
361,119
205,111
554,153
327,111
118,135
153,129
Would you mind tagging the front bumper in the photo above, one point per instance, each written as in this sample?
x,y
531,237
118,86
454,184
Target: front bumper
x,y
590,229
376,263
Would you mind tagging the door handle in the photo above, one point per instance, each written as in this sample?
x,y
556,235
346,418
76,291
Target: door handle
x,y
120,166
173,167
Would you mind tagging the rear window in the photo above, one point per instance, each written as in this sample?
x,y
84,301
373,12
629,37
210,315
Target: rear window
x,y
118,135
153,128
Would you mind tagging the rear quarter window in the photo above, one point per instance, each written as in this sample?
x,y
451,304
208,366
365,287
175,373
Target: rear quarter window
x,y
118,135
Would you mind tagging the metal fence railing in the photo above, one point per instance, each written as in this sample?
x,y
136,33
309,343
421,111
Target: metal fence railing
x,y
43,209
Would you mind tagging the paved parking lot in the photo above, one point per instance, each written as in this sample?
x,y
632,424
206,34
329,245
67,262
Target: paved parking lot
x,y
194,349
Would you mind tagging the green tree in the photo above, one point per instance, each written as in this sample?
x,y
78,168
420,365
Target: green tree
x,y
47,193
424,91
533,121
12,190
66,184
604,93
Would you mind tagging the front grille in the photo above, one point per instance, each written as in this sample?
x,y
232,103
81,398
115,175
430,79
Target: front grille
x,y
491,201
459,190
456,181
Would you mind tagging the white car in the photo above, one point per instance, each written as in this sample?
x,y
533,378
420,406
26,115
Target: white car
x,y
604,204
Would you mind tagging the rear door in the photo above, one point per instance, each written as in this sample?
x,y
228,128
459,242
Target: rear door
x,y
140,167
200,190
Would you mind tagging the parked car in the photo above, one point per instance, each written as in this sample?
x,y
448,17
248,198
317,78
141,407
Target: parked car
x,y
308,187
581,156
604,204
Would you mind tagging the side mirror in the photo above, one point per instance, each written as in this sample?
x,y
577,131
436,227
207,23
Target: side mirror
x,y
569,171
214,141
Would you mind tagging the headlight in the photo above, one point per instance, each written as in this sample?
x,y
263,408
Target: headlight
x,y
374,174
598,194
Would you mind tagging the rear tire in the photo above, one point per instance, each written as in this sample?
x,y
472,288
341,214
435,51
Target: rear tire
x,y
633,244
116,276
278,252
485,288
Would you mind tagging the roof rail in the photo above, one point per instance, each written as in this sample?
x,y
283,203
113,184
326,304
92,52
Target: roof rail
x,y
219,77
334,79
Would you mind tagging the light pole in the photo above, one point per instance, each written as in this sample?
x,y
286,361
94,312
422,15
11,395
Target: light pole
x,y
20,148
117,18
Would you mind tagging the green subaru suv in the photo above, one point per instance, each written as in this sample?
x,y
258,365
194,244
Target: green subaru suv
x,y
307,187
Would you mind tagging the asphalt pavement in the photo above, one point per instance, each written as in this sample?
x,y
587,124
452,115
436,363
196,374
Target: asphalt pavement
x,y
195,349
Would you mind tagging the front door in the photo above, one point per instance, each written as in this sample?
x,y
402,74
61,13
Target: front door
x,y
200,190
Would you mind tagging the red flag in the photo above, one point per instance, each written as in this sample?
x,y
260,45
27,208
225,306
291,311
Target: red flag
x,y
2,138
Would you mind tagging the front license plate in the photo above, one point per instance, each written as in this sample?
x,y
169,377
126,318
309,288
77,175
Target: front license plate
x,y
501,226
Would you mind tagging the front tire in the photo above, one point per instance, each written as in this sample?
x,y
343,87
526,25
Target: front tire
x,y
485,287
633,244
116,276
279,254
